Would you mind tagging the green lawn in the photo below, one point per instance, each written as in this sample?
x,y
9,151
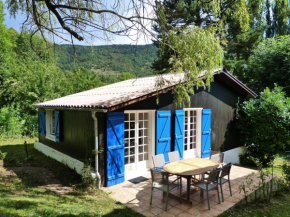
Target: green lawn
x,y
24,196
278,206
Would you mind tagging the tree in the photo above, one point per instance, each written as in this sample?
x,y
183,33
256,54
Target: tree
x,y
265,124
80,19
267,19
222,16
241,25
268,65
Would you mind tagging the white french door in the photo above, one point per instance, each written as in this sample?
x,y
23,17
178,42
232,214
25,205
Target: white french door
x,y
192,132
139,145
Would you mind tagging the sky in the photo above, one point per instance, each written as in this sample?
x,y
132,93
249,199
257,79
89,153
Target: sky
x,y
16,23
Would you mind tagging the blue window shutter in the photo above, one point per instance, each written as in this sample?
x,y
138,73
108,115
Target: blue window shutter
x,y
179,132
57,125
206,133
115,148
42,130
163,133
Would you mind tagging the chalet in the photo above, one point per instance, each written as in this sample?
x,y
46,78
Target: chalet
x,y
126,122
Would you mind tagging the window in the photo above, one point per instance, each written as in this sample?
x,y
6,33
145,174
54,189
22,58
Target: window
x,y
136,137
189,130
50,125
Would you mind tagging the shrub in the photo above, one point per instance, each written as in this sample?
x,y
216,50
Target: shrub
x,y
286,172
2,155
87,178
264,124
247,160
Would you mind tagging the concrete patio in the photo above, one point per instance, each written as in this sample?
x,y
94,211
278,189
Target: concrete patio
x,y
137,197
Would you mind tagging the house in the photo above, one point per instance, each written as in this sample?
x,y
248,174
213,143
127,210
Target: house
x,y
126,122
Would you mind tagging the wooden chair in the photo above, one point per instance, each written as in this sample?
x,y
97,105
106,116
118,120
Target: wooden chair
x,y
160,181
226,169
209,184
173,156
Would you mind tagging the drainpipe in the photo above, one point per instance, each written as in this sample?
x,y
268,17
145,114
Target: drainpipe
x,y
96,174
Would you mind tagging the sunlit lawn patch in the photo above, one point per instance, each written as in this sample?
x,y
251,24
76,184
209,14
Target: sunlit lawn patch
x,y
25,194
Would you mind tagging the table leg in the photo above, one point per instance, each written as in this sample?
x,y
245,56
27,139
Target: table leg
x,y
188,188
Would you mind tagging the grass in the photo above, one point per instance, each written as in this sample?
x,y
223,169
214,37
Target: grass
x,y
278,205
25,196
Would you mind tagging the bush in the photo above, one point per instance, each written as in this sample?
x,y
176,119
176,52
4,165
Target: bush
x,y
264,125
247,160
2,155
286,173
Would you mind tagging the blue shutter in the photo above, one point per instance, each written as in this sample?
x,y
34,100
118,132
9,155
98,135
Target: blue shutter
x,y
163,133
179,132
206,133
57,126
42,122
115,148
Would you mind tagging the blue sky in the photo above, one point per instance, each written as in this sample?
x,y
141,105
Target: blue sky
x,y
16,23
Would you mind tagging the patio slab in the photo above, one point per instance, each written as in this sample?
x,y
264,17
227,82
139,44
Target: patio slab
x,y
137,197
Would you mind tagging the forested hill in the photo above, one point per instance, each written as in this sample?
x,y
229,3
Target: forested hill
x,y
108,59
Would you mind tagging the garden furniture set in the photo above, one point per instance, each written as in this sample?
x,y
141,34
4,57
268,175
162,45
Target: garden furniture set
x,y
212,173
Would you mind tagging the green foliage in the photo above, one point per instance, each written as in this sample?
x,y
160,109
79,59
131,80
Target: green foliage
x,y
109,79
87,178
105,60
194,58
247,160
264,124
191,35
286,172
11,122
268,65
266,19
219,16
29,74
2,155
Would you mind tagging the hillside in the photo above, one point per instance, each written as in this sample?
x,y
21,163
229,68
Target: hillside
x,y
108,59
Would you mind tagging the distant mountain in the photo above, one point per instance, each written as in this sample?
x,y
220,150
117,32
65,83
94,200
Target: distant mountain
x,y
108,59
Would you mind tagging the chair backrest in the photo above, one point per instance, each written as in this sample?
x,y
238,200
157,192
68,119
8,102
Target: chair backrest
x,y
159,176
226,170
219,157
214,175
173,156
158,160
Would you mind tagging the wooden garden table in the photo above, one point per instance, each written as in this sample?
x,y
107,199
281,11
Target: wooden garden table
x,y
190,167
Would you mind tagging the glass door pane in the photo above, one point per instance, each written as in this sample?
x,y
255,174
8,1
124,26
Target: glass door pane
x,y
143,136
190,117
130,142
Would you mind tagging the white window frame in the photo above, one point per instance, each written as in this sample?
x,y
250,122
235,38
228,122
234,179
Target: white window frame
x,y
50,124
151,143
197,149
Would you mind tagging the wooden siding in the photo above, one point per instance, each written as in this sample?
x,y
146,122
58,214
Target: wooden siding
x,y
77,136
223,102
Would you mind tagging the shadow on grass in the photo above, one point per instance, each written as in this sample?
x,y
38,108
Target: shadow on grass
x,y
16,157
22,194
41,202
